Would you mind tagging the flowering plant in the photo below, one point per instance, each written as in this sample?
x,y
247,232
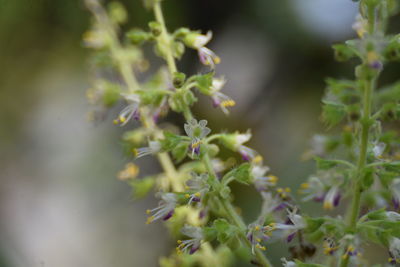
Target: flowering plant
x,y
359,163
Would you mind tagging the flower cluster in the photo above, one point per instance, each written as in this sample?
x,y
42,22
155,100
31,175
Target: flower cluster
x,y
359,164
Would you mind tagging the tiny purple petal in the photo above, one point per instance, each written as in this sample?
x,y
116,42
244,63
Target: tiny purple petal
x,y
246,157
319,198
396,203
377,65
193,249
290,237
280,207
250,237
136,115
196,199
336,200
202,214
216,102
169,215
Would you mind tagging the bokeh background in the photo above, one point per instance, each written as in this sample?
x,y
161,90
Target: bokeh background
x,y
60,203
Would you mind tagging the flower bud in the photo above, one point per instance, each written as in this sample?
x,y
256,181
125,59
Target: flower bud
x,y
117,12
178,79
155,28
196,40
138,36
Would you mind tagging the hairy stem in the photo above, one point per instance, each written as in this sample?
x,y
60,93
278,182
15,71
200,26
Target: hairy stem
x,y
164,38
361,163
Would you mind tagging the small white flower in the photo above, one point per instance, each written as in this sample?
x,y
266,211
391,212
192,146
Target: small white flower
x,y
165,209
198,186
270,204
393,216
208,57
262,181
219,99
196,131
360,26
297,223
191,245
287,263
318,143
332,198
153,148
313,189
201,40
256,235
394,250
130,111
378,149
395,189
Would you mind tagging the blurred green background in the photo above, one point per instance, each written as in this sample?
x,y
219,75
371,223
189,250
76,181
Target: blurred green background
x,y
60,204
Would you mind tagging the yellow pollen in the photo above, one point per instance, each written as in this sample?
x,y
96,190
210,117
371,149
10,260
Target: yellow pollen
x,y
131,171
228,103
115,121
195,145
279,190
148,211
258,239
372,56
257,228
135,152
258,159
288,190
198,194
347,128
179,241
273,179
328,205
122,119
261,247
187,196
305,185
150,220
361,32
350,248
217,60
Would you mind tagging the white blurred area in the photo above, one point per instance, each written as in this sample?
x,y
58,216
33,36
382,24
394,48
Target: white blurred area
x,y
61,204
328,19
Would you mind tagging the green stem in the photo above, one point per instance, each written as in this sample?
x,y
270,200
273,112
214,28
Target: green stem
x,y
362,159
164,39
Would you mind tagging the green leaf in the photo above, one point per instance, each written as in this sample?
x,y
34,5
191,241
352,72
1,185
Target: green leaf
x,y
141,187
344,52
138,36
377,214
325,164
241,174
204,82
392,166
333,113
225,231
179,152
388,94
367,178
171,141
